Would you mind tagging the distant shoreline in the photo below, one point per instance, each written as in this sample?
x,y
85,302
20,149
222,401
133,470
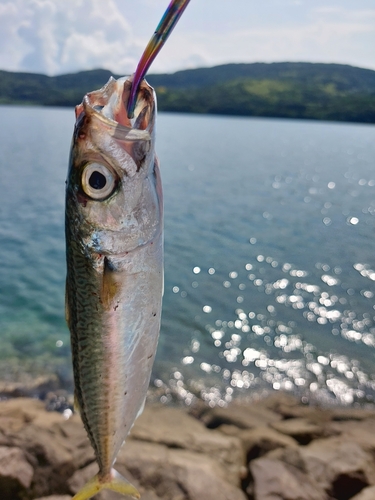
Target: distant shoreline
x,y
314,91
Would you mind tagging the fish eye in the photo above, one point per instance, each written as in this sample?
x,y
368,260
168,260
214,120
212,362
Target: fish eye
x,y
98,181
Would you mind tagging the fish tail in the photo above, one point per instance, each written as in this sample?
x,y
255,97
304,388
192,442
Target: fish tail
x,y
115,482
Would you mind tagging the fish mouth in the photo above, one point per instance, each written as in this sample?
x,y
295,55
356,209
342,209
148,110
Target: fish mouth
x,y
109,106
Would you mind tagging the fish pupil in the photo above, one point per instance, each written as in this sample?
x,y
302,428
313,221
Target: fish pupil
x,y
97,180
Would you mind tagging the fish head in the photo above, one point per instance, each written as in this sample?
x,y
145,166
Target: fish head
x,y
113,194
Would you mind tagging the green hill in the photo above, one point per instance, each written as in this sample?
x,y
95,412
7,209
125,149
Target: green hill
x,y
292,90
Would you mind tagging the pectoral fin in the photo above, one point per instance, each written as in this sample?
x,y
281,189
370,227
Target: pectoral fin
x,y
116,482
110,286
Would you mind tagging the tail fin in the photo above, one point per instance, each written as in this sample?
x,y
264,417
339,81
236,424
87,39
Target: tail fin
x,y
116,482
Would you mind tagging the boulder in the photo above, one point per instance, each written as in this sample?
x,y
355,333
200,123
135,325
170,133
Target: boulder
x,y
56,497
342,467
366,494
221,454
244,417
301,429
30,388
76,441
27,426
359,431
261,440
16,473
176,474
344,414
176,429
275,480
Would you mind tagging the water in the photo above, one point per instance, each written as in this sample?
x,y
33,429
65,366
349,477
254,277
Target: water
x,y
269,255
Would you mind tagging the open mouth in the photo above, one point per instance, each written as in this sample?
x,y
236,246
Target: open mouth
x,y
110,102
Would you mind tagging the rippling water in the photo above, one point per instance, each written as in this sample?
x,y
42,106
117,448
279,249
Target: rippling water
x,y
269,238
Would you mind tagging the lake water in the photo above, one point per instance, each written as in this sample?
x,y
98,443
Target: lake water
x,y
269,255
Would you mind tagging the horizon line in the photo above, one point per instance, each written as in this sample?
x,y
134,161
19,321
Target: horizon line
x,y
190,69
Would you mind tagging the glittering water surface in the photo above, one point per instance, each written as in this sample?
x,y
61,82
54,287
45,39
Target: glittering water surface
x,y
269,239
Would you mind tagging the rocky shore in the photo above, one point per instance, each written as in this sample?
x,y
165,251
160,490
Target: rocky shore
x,y
275,449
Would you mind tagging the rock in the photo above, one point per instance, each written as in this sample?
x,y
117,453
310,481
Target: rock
x,y
229,430
38,433
56,497
289,407
176,474
361,432
21,407
17,413
275,480
342,414
301,429
74,435
81,476
366,494
176,429
342,467
15,473
30,388
5,440
23,411
244,417
257,442
171,455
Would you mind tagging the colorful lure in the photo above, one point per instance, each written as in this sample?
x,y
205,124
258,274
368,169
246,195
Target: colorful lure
x,y
162,32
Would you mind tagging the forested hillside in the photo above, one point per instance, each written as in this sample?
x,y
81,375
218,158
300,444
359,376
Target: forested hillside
x,y
293,90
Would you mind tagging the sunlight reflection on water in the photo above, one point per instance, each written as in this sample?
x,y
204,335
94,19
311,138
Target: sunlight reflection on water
x,y
269,237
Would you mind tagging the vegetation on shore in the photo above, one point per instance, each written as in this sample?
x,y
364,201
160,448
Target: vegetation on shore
x,y
289,90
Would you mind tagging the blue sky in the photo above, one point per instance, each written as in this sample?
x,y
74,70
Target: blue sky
x,y
54,36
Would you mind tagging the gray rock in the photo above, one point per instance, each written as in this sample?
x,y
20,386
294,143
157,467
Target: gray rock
x,y
290,407
15,472
76,441
176,429
81,476
56,497
341,466
176,474
29,427
261,440
244,417
172,456
29,388
342,414
275,480
361,432
24,409
301,429
366,494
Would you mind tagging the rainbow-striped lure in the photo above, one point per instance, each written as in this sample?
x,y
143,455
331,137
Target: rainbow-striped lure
x,y
162,32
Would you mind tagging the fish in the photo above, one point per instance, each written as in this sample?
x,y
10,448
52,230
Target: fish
x,y
114,255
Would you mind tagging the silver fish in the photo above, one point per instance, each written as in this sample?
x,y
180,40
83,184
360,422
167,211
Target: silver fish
x,y
114,247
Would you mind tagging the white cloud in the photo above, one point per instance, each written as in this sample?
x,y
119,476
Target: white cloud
x,y
331,35
51,36
61,36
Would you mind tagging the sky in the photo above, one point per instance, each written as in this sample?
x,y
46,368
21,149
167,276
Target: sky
x,y
66,36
